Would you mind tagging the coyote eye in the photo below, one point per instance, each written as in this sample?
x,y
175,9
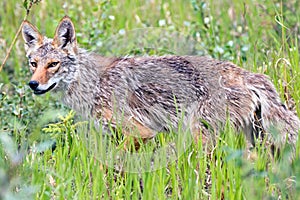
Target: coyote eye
x,y
53,64
33,64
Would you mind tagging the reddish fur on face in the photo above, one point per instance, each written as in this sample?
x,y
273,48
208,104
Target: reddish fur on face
x,y
41,75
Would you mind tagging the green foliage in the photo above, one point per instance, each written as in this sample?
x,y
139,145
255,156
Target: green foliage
x,y
262,36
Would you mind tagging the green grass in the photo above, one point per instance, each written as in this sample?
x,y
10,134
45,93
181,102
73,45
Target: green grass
x,y
261,36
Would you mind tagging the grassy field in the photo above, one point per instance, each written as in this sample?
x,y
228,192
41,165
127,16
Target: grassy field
x,y
261,36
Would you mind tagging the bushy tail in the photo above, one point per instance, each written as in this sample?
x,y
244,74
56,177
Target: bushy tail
x,y
279,124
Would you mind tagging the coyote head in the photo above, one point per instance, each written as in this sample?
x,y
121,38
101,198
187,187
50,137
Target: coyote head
x,y
52,61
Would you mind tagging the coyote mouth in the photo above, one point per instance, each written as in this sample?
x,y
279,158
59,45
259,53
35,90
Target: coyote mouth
x,y
38,92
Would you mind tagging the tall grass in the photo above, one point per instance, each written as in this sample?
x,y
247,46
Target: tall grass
x,y
261,36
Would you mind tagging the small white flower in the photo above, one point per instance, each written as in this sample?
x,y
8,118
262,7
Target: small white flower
x,y
162,22
111,17
239,29
206,20
245,48
187,23
122,32
230,43
219,49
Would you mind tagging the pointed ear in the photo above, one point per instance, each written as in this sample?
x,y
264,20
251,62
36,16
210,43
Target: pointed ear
x,y
31,35
65,37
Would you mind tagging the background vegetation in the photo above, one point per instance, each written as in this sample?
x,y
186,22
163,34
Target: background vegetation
x,y
261,36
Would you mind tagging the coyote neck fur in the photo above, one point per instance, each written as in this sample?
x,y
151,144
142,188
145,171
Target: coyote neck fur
x,y
80,92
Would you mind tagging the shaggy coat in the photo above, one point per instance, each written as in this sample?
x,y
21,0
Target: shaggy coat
x,y
147,95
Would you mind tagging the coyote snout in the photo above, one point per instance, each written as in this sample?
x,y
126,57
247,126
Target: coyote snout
x,y
154,93
34,85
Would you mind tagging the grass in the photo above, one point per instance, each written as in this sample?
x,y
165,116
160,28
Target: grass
x,y
261,36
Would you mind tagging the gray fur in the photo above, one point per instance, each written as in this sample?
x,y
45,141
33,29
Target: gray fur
x,y
158,92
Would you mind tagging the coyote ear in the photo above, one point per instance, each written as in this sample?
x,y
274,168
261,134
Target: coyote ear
x,y
65,35
31,35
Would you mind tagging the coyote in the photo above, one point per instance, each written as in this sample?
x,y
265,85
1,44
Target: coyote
x,y
155,94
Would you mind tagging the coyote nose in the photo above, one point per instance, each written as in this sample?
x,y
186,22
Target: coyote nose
x,y
33,84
